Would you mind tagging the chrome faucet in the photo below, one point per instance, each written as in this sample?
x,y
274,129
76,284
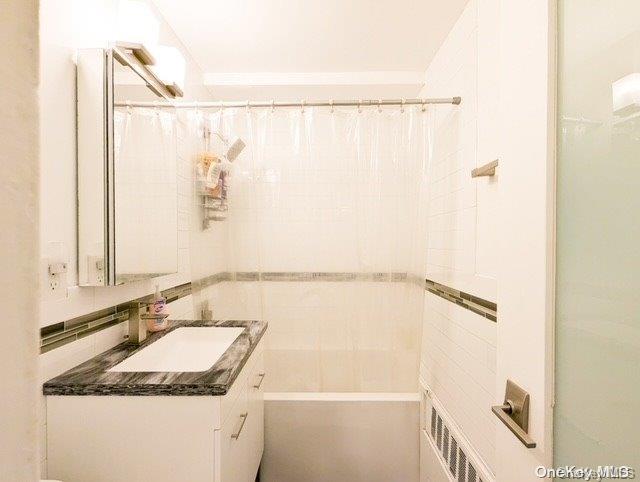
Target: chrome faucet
x,y
138,316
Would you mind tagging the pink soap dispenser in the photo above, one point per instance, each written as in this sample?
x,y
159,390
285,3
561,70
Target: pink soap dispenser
x,y
158,312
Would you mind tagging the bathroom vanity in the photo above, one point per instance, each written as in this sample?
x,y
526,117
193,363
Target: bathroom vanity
x,y
108,425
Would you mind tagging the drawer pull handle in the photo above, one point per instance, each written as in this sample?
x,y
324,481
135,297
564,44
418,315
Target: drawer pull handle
x,y
261,375
244,416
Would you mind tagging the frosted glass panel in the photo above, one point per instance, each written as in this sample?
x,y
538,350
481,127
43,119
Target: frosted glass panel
x,y
597,416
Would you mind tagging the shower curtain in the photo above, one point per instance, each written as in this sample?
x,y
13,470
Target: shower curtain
x,y
326,240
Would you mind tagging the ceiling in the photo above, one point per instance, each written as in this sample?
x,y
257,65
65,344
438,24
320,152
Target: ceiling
x,y
237,42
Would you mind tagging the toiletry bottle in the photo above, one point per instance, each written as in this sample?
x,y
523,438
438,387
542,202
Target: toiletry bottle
x,y
158,312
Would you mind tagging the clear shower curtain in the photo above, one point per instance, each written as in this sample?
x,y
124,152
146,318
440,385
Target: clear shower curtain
x,y
326,241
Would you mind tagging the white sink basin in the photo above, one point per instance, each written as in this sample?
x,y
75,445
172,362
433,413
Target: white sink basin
x,y
188,349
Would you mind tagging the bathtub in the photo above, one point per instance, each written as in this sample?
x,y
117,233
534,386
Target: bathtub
x,y
341,437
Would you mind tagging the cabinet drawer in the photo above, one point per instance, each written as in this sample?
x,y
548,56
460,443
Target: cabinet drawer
x,y
255,402
228,401
234,442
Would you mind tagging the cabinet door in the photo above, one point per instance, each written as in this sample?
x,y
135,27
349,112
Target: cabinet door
x,y
255,423
234,442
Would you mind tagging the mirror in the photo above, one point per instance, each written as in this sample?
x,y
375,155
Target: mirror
x,y
127,172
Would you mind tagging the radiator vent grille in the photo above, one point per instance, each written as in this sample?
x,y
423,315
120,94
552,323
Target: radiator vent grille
x,y
445,443
454,457
462,467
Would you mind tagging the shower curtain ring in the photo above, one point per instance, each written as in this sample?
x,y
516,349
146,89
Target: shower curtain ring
x,y
302,104
360,106
423,106
331,103
273,106
402,105
248,106
380,106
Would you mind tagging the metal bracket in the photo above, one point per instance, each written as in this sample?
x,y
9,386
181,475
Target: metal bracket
x,y
488,169
514,413
206,313
139,51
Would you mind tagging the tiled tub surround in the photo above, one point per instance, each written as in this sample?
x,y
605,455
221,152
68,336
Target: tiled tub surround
x,y
94,378
64,332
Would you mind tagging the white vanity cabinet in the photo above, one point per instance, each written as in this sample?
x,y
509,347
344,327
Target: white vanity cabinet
x,y
242,436
160,438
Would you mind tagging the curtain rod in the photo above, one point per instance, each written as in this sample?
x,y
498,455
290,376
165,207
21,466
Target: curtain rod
x,y
272,104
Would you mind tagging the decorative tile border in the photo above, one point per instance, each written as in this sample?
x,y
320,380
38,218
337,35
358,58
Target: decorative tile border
x,y
59,334
301,276
482,307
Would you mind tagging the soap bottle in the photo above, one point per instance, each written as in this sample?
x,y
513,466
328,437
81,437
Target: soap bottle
x,y
158,312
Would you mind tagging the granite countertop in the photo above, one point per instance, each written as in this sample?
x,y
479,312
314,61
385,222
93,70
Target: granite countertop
x,y
93,378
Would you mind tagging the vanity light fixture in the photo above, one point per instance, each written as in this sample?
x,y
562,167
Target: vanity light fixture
x,y
170,67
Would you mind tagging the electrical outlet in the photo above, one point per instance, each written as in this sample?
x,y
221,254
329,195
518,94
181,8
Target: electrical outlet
x,y
55,278
96,269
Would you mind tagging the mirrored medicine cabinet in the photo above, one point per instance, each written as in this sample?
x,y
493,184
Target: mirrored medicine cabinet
x,y
127,170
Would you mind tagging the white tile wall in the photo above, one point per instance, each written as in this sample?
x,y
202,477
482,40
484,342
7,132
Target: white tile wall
x,y
461,223
458,356
458,363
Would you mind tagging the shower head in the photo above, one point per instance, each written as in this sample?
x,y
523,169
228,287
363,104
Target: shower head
x,y
234,148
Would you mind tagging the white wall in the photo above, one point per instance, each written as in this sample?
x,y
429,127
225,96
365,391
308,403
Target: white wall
x,y
19,240
66,26
458,359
